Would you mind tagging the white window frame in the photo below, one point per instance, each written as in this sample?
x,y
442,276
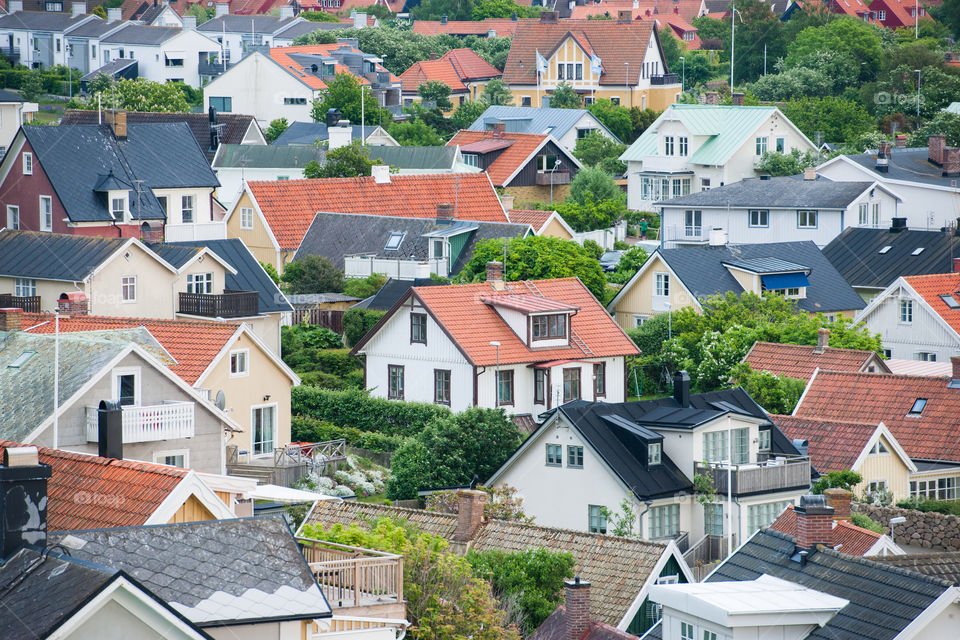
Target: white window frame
x,y
246,217
764,438
241,355
596,512
253,443
693,223
760,145
803,218
654,453
13,216
24,287
668,146
863,213
925,356
46,216
553,447
125,282
115,376
664,517
192,208
683,146
158,456
200,282
121,213
27,163
906,311
762,218
661,284
639,319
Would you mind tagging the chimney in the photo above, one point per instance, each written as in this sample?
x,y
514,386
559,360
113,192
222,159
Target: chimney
x,y
340,135
711,97
117,120
495,275
380,173
73,303
809,173
839,499
11,319
823,340
636,4
624,16
15,6
23,499
956,265
189,23
445,212
814,522
499,128
110,430
507,201
223,8
676,10
883,157
79,9
900,140
935,146
443,19
577,608
897,225
513,17
955,361
737,99
681,388
359,20
718,237
286,12
333,116
470,503
114,15
550,17
951,163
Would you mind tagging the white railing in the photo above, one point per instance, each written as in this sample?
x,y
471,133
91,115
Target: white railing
x,y
666,163
369,628
168,421
686,233
195,231
361,266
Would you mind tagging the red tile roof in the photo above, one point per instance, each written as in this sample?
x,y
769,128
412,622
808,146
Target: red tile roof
x,y
686,10
934,434
471,66
504,27
535,219
930,288
193,343
614,43
431,70
895,9
290,206
281,55
472,323
89,492
515,156
800,361
856,540
832,445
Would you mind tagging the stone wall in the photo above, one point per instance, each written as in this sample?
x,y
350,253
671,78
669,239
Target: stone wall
x,y
922,529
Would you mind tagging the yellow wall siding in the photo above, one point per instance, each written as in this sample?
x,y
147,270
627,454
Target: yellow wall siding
x,y
256,239
884,466
155,285
554,229
192,511
639,298
226,497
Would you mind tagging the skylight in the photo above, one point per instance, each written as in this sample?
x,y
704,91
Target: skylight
x,y
22,360
950,301
885,249
918,406
393,243
917,251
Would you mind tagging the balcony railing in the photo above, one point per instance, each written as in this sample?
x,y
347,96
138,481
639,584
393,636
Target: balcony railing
x,y
195,231
682,538
686,233
665,79
545,178
705,554
30,304
229,304
168,421
762,477
347,626
354,577
362,265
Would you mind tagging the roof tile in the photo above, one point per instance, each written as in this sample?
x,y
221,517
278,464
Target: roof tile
x,y
512,158
854,540
931,287
832,445
800,361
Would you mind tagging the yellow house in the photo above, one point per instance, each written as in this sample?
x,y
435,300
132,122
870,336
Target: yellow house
x,y
548,224
620,60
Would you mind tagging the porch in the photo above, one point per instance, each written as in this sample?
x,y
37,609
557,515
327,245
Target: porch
x,y
287,464
229,304
357,579
30,304
778,474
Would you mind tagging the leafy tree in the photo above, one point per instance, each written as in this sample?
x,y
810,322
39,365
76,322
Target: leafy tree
x,y
467,113
672,49
140,95
791,84
484,9
357,322
435,9
496,92
31,87
621,523
594,249
597,150
343,93
437,92
945,123
415,133
614,117
866,522
641,119
949,14
312,274
200,12
101,83
757,36
276,127
349,161
630,263
776,394
534,258
898,91
698,68
837,480
839,119
593,184
565,97
853,40
271,271
790,164
713,29
591,215
319,16
100,12
364,287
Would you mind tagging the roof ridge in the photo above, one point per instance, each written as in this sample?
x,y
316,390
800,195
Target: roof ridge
x,y
825,420
813,346
895,569
882,375
93,459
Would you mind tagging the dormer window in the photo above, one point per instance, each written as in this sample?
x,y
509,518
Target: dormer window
x,y
118,207
393,242
918,406
654,453
552,327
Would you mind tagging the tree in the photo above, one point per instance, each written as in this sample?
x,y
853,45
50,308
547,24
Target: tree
x,y
853,40
840,120
790,164
497,93
621,523
591,215
484,9
271,271
201,13
343,93
630,263
776,394
534,258
791,84
349,161
565,97
614,117
276,127
312,274
31,87
101,83
364,287
435,9
593,184
140,95
672,49
758,38
597,150
437,92
319,16
897,93
357,322
699,68
467,113
944,123
837,480
713,29
949,14
100,12
415,133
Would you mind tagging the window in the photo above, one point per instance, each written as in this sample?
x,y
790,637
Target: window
x,y
765,435
879,448
715,446
126,387
781,145
46,213
264,429
662,285
27,164
546,162
600,379
441,386
505,387
713,519
862,212
583,133
654,453
554,455
741,446
571,384
761,146
128,288
759,218
394,382
438,248
687,631
587,101
762,515
199,283
239,363
525,101
294,101
693,223
560,69
596,519
578,68
665,521
668,145
574,456
709,635
222,104
471,159
875,217
876,485
418,328
179,458
906,311
917,251
393,242
246,217
918,406
806,219
639,319
186,209
162,201
539,386
169,62
118,208
549,327
887,354
704,184
925,356
683,145
881,15
615,100
24,287
13,216
54,6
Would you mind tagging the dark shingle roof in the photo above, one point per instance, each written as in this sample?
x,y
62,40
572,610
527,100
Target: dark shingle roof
x,y
143,34
945,566
111,68
39,21
245,24
855,254
9,96
53,256
910,165
391,291
92,28
701,270
775,193
883,600
310,132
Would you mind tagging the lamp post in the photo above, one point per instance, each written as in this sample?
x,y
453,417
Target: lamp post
x,y
893,521
683,74
626,83
917,71
555,165
669,320
494,343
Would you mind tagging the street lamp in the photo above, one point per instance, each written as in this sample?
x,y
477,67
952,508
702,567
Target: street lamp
x,y
626,82
555,165
683,74
494,343
893,521
917,71
669,320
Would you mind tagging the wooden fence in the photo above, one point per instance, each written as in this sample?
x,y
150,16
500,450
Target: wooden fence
x,y
327,318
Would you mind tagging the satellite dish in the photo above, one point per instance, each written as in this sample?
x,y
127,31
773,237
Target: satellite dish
x,y
221,400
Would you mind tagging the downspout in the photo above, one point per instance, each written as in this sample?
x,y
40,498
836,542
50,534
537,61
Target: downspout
x,y
476,383
647,504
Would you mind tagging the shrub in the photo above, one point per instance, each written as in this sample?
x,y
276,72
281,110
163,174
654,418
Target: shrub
x,y
324,380
304,429
336,361
946,507
837,479
356,323
358,410
866,522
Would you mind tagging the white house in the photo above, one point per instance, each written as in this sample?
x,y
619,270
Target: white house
x,y
524,346
163,54
14,112
766,209
694,147
238,35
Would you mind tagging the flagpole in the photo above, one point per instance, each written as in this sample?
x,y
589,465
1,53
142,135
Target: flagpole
x,y
539,96
733,21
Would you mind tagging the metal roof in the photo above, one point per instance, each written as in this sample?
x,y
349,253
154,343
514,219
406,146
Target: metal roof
x,y
909,165
311,132
790,192
766,265
143,34
556,122
250,156
111,68
53,256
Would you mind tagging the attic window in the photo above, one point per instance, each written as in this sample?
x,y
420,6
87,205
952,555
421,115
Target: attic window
x,y
918,406
950,301
22,360
393,243
917,251
885,249
654,452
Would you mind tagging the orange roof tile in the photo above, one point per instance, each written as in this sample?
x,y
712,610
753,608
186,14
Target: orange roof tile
x,y
290,206
512,158
89,492
281,55
934,434
832,445
800,361
535,219
470,66
930,288
472,324
856,540
193,343
503,27
902,13
428,71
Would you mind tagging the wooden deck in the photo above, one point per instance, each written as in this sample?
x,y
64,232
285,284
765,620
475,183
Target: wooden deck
x,y
353,577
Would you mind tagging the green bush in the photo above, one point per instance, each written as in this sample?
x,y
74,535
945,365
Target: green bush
x,y
946,507
336,361
304,429
356,323
358,410
837,480
324,380
866,522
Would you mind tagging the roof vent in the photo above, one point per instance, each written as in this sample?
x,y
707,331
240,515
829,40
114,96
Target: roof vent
x,y
380,173
898,224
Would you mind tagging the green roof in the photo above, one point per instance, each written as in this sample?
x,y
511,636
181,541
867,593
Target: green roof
x,y
727,127
258,156
415,157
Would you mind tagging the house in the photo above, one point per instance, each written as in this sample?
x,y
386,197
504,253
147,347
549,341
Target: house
x,y
672,279
163,54
798,587
800,361
923,177
14,112
894,14
525,346
271,218
531,167
111,180
872,259
36,38
679,25
284,82
696,147
465,72
240,35
543,223
600,454
684,9
919,411
775,210
312,133
162,417
917,317
401,248
854,8
210,130
157,14
616,59
486,28
565,125
621,570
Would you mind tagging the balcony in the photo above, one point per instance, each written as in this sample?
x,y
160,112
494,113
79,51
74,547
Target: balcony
x,y
361,266
778,474
349,626
30,304
664,79
195,231
229,304
546,178
686,234
150,423
351,577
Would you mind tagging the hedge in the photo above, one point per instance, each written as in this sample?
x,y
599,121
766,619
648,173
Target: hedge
x,y
356,323
306,429
358,410
52,83
946,507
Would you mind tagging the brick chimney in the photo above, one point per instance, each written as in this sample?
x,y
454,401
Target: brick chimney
x,y
737,99
577,608
814,522
117,120
495,275
809,173
839,499
900,140
823,340
955,363
883,157
507,201
445,211
23,499
624,16
73,303
951,162
499,128
11,319
470,503
433,55
935,145
956,265
551,17
711,97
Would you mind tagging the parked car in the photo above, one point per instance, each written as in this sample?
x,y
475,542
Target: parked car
x,y
610,259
